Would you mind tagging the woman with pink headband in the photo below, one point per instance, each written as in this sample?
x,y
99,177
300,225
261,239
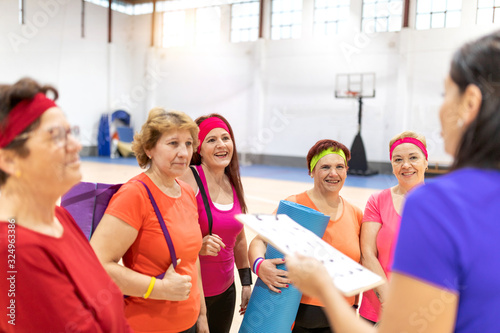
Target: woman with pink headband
x,y
382,216
51,280
327,165
219,195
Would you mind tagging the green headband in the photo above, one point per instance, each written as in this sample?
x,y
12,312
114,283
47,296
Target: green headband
x,y
325,152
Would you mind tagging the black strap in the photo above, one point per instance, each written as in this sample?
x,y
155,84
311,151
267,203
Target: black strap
x,y
205,199
163,228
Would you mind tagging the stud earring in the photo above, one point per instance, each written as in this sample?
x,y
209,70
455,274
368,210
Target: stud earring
x,y
17,174
460,123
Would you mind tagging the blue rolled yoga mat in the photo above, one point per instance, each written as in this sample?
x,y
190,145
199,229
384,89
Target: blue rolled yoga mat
x,y
270,312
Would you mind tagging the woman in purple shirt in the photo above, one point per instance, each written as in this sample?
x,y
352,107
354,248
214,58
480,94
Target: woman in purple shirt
x,y
445,272
224,241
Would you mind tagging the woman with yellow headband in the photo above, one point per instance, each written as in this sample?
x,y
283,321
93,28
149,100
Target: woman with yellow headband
x,y
382,216
327,164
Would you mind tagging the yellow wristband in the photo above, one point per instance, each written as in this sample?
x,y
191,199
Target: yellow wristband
x,y
150,288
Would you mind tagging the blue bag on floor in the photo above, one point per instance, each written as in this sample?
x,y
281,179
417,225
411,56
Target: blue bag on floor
x,y
270,312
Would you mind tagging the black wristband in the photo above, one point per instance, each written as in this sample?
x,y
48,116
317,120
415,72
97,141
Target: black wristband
x,y
245,276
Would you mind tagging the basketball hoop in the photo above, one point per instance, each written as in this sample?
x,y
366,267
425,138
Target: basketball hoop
x,y
351,94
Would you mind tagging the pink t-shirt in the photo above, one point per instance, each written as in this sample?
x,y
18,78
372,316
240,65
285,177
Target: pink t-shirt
x,y
380,208
217,273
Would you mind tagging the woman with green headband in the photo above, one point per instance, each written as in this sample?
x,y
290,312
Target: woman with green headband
x,y
327,164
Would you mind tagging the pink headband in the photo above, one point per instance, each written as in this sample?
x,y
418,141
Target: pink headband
x,y
207,125
414,141
23,115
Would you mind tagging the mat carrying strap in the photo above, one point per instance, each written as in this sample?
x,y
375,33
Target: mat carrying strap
x,y
205,199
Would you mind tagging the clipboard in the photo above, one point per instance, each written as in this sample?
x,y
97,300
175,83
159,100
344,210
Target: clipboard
x,y
289,237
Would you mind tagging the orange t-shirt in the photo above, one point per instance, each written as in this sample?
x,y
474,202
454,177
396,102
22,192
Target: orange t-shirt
x,y
342,234
149,253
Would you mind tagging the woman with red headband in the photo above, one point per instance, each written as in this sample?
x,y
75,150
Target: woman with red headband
x,y
408,155
51,280
151,223
327,164
220,197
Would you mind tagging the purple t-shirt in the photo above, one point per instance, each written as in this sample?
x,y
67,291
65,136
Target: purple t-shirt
x,y
217,273
450,237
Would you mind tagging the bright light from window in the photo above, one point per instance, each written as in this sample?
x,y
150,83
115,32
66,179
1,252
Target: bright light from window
x,y
174,30
207,25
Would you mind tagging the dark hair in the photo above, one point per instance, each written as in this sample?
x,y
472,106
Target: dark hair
x,y
160,121
478,63
233,169
10,96
323,145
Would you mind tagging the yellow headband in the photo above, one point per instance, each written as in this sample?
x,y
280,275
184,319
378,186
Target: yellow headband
x,y
325,152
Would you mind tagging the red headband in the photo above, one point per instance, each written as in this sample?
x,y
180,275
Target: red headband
x,y
23,115
207,125
414,141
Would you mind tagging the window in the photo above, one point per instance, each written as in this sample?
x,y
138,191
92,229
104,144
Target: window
x,y
382,15
330,17
207,25
488,11
245,21
174,30
438,14
286,19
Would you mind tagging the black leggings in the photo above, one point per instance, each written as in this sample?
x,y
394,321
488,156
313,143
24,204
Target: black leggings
x,y
311,319
220,310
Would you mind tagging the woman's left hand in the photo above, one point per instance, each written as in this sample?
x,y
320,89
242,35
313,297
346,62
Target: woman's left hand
x,y
202,324
246,292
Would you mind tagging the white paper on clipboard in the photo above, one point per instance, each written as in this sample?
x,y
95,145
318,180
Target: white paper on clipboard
x,y
289,237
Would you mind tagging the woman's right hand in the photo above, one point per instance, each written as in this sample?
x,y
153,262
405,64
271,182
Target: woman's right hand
x,y
273,277
173,286
211,246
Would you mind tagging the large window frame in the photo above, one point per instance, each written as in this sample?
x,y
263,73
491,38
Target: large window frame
x,y
382,15
286,19
330,17
245,18
488,12
435,14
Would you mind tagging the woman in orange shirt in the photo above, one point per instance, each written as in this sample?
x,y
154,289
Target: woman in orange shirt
x,y
327,164
130,230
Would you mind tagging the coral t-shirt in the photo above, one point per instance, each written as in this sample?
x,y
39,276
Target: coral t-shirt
x,y
380,209
342,234
149,254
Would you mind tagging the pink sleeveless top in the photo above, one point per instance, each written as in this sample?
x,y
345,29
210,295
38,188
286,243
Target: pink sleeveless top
x,y
217,272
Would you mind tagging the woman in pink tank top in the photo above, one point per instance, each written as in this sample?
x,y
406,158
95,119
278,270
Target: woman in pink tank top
x,y
382,215
224,242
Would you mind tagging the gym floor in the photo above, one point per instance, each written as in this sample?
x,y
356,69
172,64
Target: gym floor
x,y
264,187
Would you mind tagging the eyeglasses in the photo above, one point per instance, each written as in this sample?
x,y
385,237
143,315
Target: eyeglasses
x,y
58,134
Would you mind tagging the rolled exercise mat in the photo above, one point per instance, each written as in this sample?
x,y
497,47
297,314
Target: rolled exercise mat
x,y
270,312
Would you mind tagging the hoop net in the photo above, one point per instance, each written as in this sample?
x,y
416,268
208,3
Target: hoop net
x,y
352,94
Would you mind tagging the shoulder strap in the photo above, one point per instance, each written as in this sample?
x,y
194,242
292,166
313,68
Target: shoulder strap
x,y
205,199
163,228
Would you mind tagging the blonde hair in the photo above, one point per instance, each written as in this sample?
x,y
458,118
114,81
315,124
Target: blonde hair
x,y
408,134
161,121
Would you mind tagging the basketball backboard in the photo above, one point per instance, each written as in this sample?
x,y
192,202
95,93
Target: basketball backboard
x,y
355,85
